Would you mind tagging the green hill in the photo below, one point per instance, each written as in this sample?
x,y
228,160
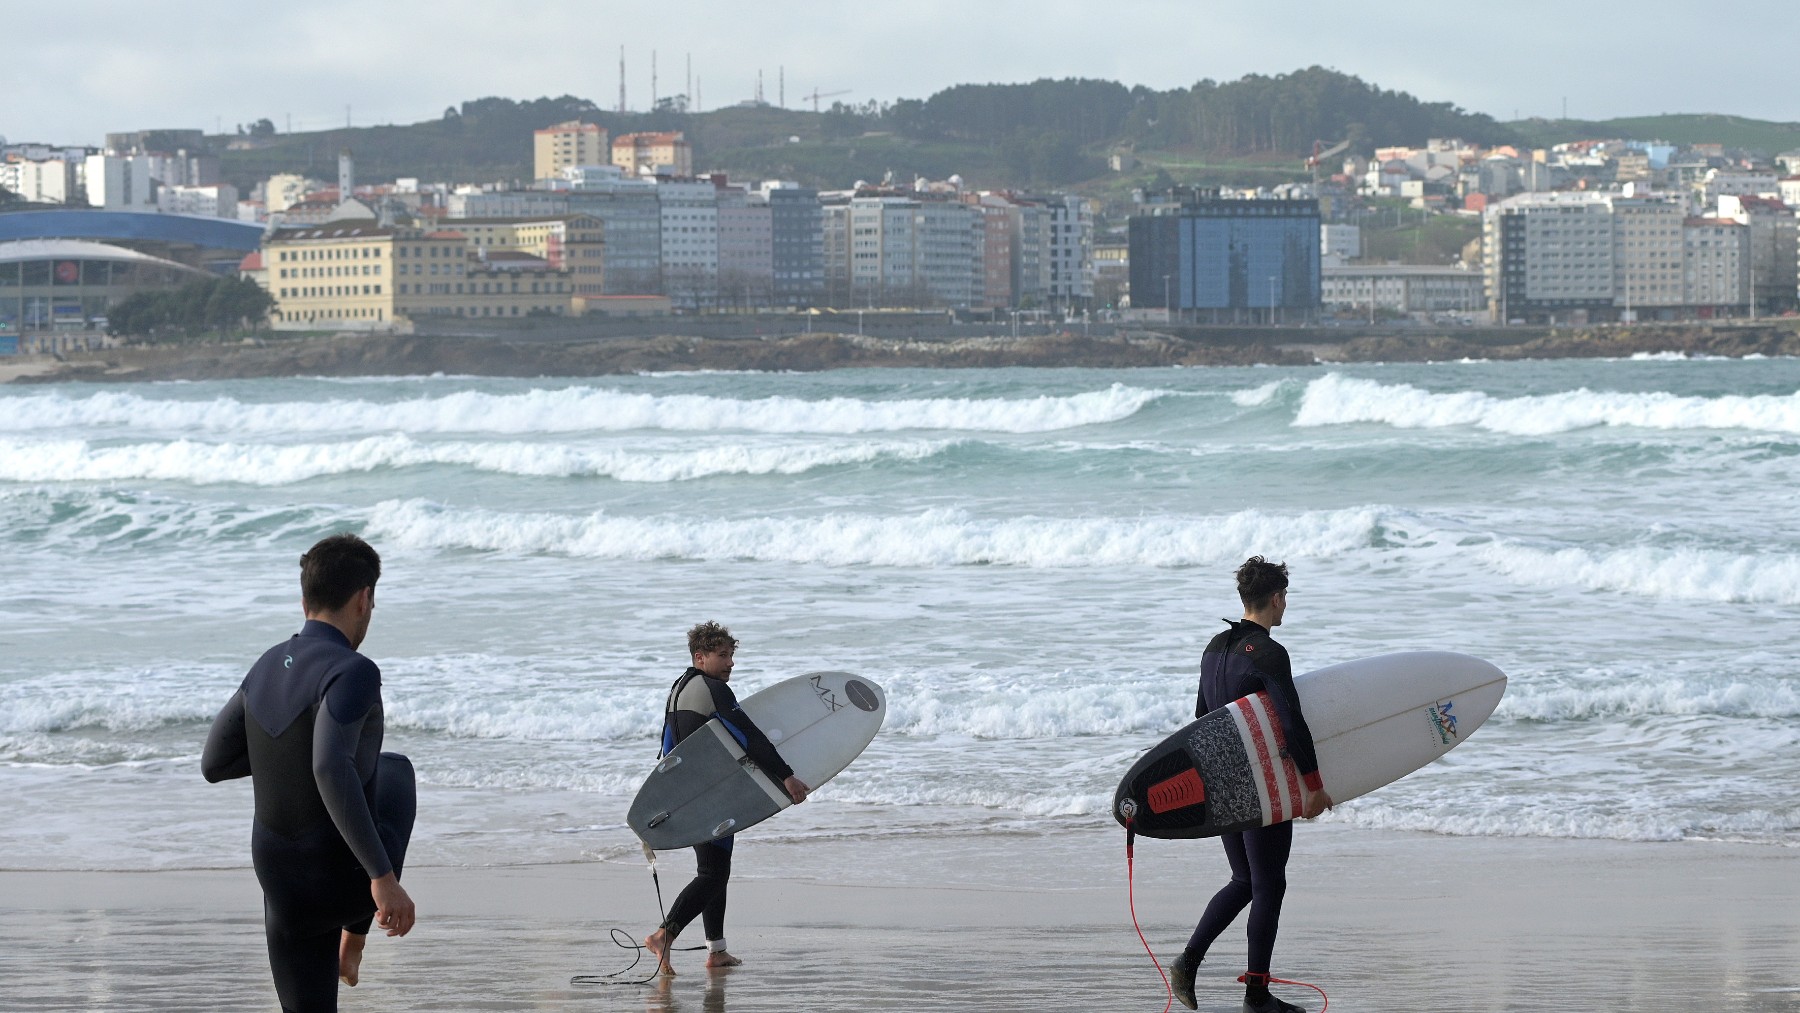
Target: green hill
x,y
1734,132
1045,133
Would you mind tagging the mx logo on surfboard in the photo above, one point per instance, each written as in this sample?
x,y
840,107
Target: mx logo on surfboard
x,y
1443,720
826,695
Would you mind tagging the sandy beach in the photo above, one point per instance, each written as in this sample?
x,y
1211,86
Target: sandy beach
x,y
1397,923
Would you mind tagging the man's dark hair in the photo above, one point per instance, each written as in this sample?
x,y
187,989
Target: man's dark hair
x,y
334,570
709,637
1258,581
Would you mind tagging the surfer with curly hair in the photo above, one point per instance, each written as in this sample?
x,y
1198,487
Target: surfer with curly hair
x,y
699,696
1242,660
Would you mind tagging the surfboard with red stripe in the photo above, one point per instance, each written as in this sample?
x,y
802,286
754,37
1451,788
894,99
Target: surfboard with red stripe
x,y
1373,721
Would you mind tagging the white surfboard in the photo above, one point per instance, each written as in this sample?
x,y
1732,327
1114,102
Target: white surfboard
x,y
707,788
1373,721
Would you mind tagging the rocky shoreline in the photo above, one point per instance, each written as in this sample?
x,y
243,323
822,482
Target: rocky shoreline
x,y
415,355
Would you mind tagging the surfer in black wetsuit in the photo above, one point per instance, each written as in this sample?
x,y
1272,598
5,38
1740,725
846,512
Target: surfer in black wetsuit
x,y
333,813
700,695
1243,660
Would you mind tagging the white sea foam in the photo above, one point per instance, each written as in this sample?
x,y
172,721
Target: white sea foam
x,y
572,409
271,465
1689,574
1339,400
932,538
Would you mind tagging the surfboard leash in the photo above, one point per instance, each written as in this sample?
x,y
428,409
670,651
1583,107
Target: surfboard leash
x,y
1131,900
624,941
1271,980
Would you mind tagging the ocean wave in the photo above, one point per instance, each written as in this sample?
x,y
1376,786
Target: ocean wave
x,y
107,517
273,465
933,538
1339,400
135,701
1597,695
1257,396
1684,574
1554,818
573,409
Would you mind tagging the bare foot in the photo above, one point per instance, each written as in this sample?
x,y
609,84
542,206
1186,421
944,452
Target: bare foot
x,y
350,954
719,958
658,944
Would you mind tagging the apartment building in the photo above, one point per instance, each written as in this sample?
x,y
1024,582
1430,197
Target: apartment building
x,y
1071,251
1716,266
1578,257
567,145
746,249
120,183
359,275
689,220
574,243
44,181
217,201
1772,249
1550,256
796,241
655,154
1648,255
1403,288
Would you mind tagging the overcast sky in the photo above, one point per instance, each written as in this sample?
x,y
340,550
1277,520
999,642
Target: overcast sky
x,y
75,70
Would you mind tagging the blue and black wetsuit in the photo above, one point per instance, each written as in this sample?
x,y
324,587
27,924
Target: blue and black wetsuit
x,y
1243,660
332,811
694,700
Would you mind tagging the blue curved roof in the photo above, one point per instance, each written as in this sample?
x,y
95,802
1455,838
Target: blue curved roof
x,y
213,233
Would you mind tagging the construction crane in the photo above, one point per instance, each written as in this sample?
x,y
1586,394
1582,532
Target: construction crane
x,y
1320,153
816,95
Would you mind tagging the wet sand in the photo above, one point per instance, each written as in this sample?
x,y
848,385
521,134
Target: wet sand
x,y
1397,923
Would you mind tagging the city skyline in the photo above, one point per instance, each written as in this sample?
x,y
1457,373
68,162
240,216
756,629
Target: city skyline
x,y
99,66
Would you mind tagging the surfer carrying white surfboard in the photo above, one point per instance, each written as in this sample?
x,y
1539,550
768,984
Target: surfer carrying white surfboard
x,y
1243,660
699,696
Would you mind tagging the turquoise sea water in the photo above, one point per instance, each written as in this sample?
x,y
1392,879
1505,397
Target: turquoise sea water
x,y
1028,560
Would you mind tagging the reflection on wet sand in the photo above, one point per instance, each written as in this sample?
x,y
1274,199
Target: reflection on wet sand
x,y
679,994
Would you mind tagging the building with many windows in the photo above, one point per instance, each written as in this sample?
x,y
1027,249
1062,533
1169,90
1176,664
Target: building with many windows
x,y
1404,288
572,242
1215,260
567,145
1581,256
690,242
359,275
654,154
1715,266
796,244
746,249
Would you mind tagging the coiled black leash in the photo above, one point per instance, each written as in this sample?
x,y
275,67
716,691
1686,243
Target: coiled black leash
x,y
624,941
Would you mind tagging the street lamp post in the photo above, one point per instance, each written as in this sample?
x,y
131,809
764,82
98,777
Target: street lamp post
x,y
1271,300
1168,307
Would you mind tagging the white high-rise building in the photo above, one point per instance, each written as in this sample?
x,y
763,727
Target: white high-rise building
x,y
44,181
120,183
1071,251
689,214
219,201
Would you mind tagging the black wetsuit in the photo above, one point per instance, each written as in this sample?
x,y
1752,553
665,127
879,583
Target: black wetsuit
x,y
695,699
1236,663
332,811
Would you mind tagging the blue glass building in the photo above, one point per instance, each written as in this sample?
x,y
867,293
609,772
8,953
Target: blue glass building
x,y
1226,260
